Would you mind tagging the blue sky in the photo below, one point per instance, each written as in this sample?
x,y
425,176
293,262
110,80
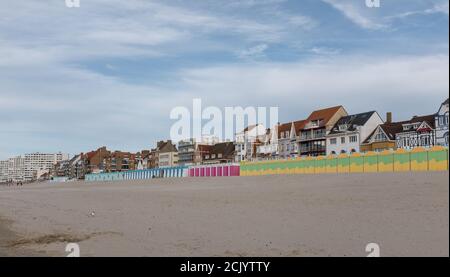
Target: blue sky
x,y
109,72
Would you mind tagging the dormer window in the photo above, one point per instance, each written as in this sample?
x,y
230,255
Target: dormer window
x,y
343,127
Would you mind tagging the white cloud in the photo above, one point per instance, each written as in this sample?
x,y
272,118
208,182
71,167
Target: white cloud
x,y
353,13
325,51
253,52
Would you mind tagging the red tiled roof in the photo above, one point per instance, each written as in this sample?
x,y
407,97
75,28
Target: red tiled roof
x,y
299,125
283,128
324,114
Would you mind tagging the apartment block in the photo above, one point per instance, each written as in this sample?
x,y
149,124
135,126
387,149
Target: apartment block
x,y
36,164
312,138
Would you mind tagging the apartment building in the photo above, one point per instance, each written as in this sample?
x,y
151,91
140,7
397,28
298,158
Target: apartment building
x,y
350,131
312,137
167,154
119,161
4,171
191,151
219,153
37,164
95,161
16,169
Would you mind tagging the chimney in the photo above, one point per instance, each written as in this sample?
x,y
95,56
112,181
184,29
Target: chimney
x,y
388,117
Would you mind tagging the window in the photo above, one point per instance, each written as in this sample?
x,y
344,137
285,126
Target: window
x,y
353,139
333,141
342,140
380,137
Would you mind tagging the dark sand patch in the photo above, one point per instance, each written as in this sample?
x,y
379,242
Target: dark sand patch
x,y
57,238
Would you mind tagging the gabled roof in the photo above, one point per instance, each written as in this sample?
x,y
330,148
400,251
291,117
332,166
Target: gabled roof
x,y
324,114
445,102
352,121
299,125
394,128
224,148
283,128
429,119
166,147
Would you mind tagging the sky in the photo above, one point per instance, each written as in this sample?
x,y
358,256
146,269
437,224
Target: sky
x,y
109,72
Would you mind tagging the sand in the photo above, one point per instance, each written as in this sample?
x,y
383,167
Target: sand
x,y
406,214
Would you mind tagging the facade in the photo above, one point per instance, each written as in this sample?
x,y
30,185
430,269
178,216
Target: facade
x,y
245,142
441,122
37,164
287,138
4,171
312,137
219,153
119,161
382,138
190,152
350,131
16,169
410,134
95,161
268,145
417,132
77,168
167,154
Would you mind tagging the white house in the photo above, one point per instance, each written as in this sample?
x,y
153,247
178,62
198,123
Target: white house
x,y
245,142
442,125
350,131
417,132
268,145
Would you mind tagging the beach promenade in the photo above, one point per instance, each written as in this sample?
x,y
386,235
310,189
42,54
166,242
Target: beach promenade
x,y
406,214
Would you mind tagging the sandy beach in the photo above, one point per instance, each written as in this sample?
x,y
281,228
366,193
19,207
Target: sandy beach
x,y
407,214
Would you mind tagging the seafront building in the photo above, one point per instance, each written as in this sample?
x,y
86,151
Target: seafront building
x,y
37,164
267,147
350,131
219,153
167,154
441,122
29,167
416,132
288,134
4,171
191,151
420,131
246,140
312,137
